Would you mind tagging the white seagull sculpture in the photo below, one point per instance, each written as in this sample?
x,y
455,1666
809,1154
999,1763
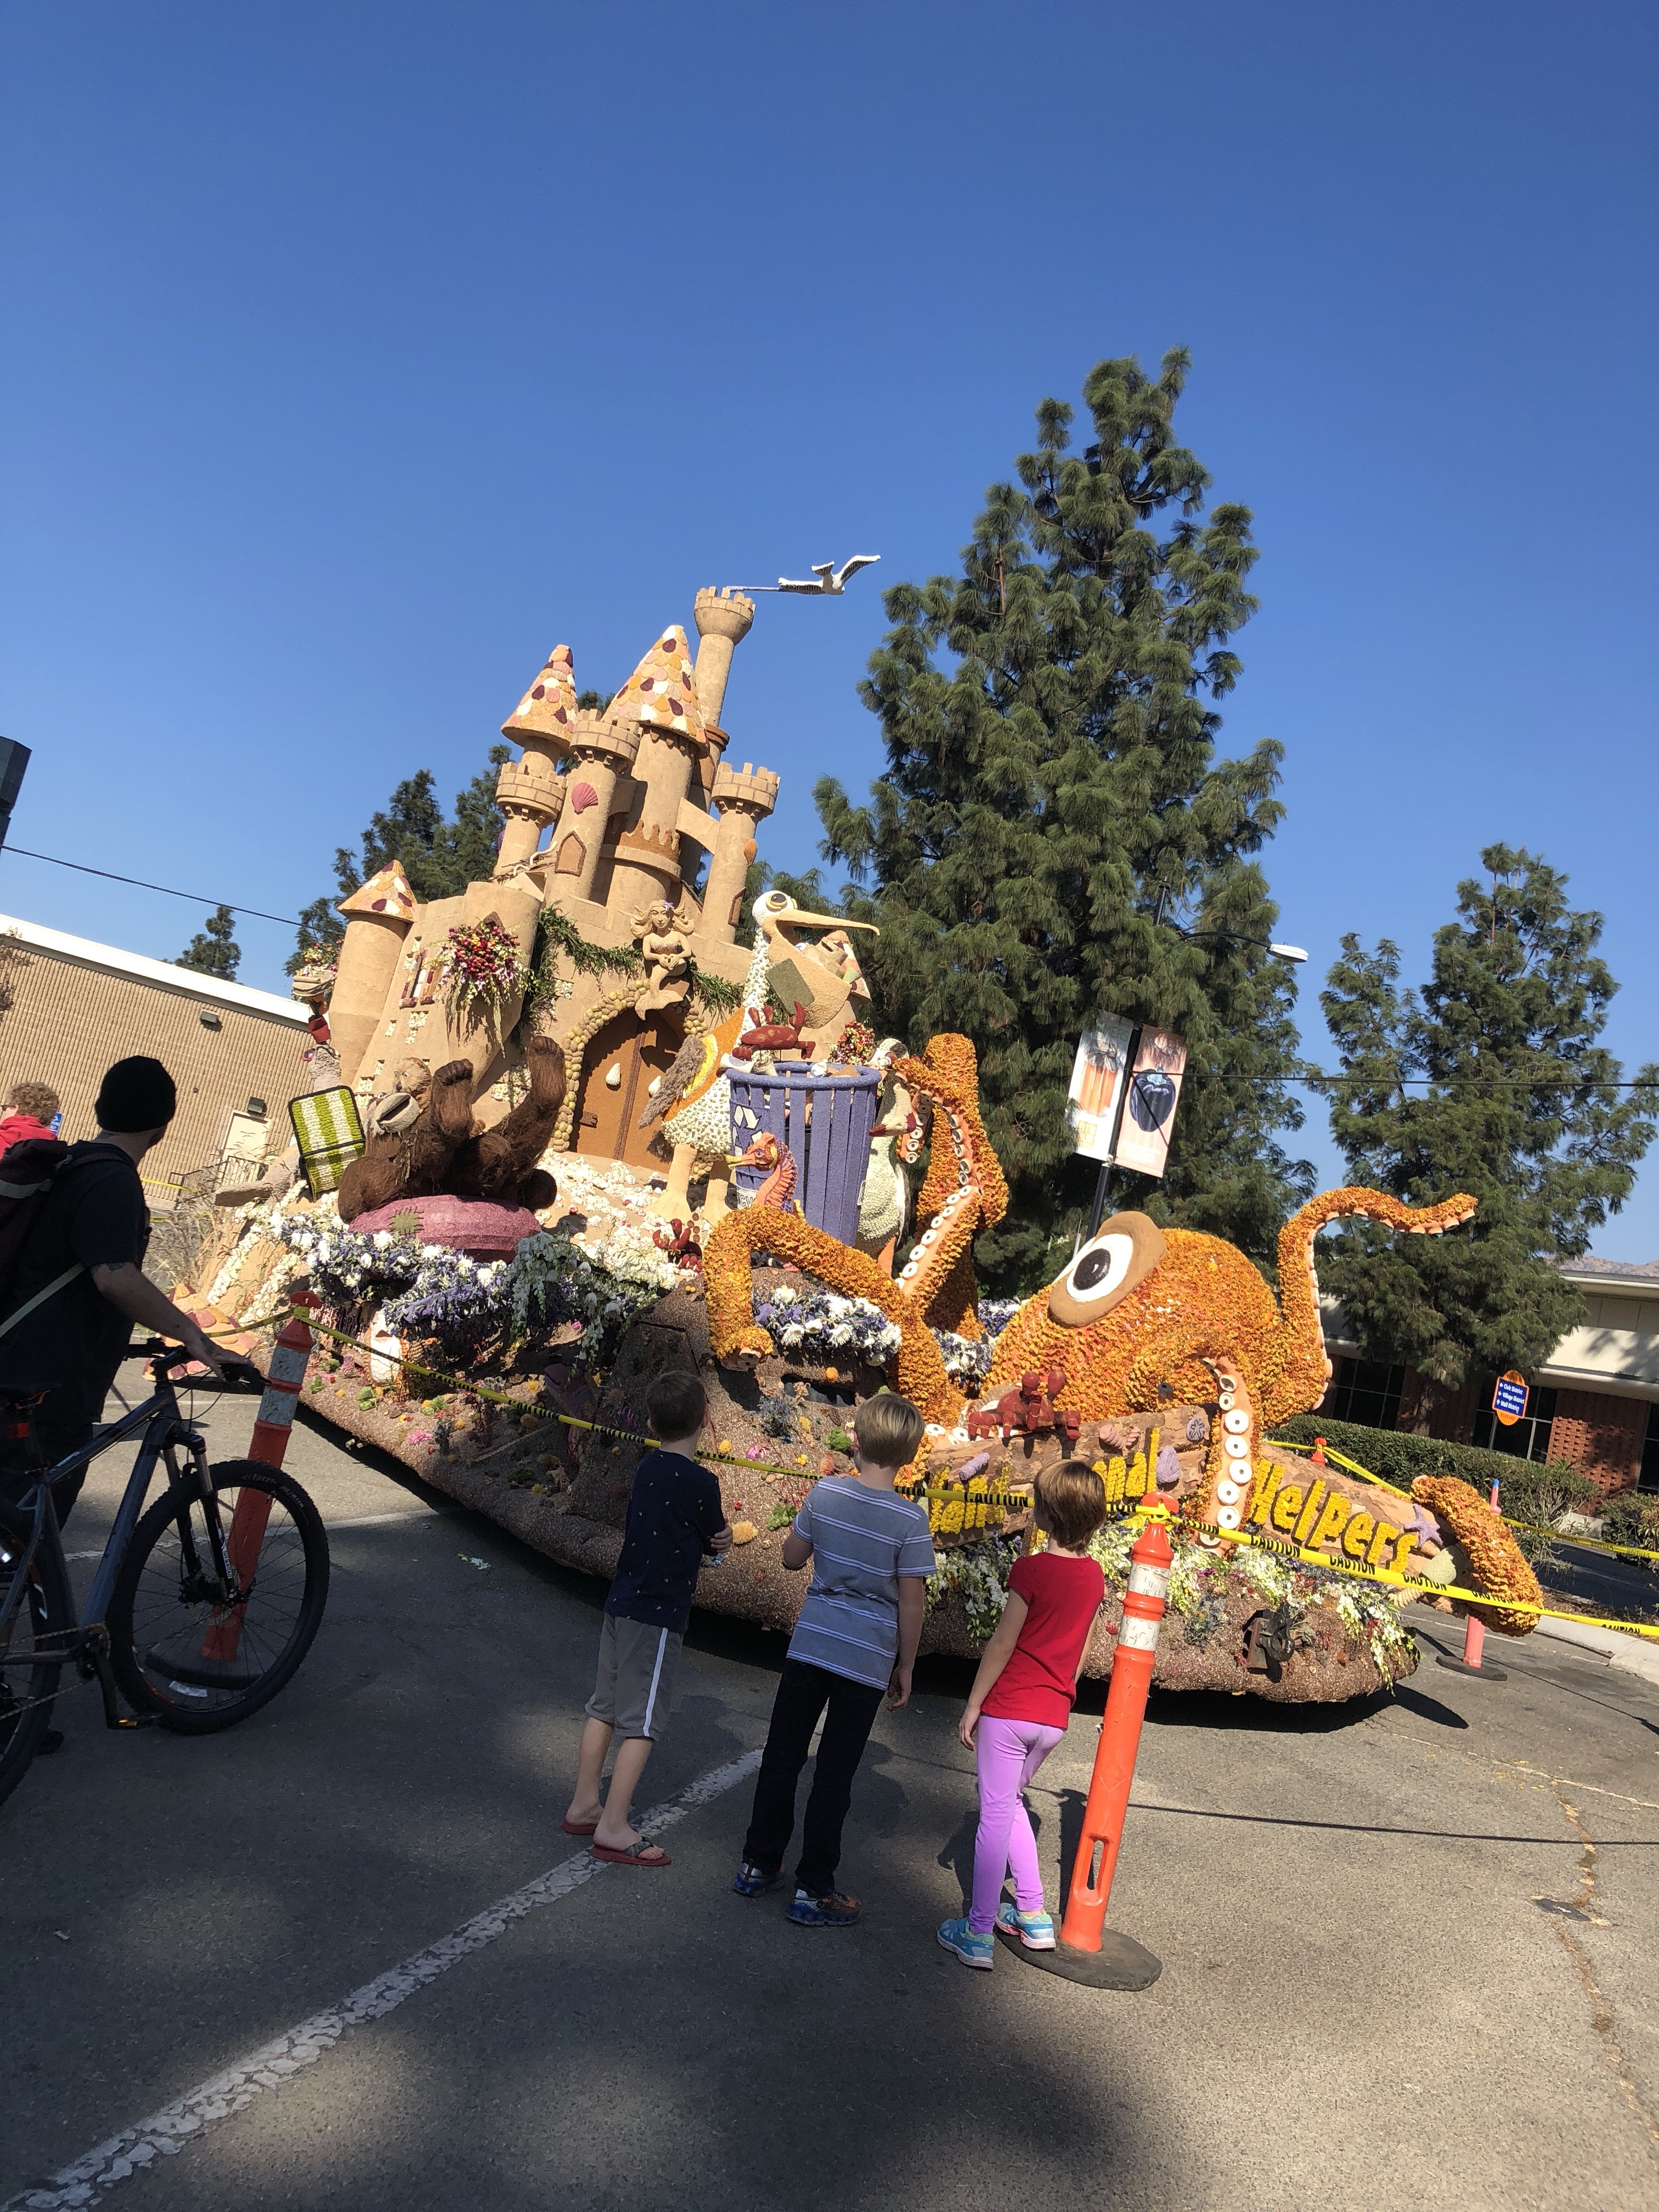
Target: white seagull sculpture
x,y
829,578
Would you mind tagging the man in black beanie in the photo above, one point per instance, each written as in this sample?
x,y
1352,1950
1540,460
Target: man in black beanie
x,y
87,1249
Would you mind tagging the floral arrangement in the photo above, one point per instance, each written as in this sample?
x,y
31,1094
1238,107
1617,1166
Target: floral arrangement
x,y
429,1292
484,970
814,1321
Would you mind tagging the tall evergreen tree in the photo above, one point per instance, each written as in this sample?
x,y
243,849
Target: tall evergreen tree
x,y
1518,1103
1053,814
440,857
213,950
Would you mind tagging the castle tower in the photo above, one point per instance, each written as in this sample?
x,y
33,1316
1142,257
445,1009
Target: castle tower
x,y
377,917
659,699
723,619
604,753
745,801
530,789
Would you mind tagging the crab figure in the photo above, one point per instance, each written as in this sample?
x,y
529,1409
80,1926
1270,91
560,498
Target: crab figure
x,y
1029,1410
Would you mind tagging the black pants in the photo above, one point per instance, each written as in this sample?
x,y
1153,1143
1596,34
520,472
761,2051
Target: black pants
x,y
803,1693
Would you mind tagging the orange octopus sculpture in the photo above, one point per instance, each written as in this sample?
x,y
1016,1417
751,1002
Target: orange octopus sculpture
x,y
1142,1313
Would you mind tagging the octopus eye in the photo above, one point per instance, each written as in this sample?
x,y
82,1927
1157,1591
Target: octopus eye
x,y
1124,1253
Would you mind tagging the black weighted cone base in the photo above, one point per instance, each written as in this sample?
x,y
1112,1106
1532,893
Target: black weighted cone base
x,y
1121,1963
1483,1672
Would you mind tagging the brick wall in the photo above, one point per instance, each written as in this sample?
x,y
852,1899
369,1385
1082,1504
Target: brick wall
x,y
1601,1437
69,1020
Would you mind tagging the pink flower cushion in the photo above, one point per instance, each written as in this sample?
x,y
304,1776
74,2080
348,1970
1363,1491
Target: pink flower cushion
x,y
475,1225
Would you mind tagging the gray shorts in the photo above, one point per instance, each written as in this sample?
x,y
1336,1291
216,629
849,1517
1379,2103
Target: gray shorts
x,y
636,1676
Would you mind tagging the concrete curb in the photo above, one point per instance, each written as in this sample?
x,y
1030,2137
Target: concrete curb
x,y
1632,1655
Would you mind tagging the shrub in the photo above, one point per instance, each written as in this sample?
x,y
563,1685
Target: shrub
x,y
1397,1456
1631,1518
1530,1490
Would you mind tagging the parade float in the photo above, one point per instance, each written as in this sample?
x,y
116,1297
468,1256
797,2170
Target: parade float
x,y
572,1134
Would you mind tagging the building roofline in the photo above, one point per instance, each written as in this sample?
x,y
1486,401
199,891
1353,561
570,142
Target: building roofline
x,y
185,981
1610,1275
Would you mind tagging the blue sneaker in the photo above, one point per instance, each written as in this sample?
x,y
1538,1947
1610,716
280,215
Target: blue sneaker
x,y
754,1881
973,1950
832,1911
1036,1930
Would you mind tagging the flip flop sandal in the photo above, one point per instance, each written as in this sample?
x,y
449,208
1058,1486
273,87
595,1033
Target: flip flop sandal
x,y
580,1827
637,1855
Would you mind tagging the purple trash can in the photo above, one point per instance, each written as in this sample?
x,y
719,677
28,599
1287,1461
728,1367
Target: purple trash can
x,y
825,1120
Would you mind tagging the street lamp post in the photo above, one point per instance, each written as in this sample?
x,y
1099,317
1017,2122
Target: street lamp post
x,y
1292,955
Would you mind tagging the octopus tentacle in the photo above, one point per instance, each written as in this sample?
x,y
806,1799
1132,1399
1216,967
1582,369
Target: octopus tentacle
x,y
1297,1370
737,1339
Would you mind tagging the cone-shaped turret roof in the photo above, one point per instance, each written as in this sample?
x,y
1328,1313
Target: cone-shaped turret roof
x,y
386,892
548,708
662,691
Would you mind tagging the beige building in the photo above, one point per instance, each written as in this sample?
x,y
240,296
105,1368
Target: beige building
x,y
1594,1402
68,1008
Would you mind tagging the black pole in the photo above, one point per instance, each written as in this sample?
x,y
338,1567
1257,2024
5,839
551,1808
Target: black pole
x,y
1097,1212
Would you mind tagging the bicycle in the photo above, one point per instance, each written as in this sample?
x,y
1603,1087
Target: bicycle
x,y
204,1603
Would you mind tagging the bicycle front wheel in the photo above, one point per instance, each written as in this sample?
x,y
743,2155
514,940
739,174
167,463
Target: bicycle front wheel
x,y
188,1650
39,1638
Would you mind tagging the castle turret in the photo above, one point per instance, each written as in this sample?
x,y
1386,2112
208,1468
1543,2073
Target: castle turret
x,y
531,789
660,699
604,753
744,800
723,619
377,919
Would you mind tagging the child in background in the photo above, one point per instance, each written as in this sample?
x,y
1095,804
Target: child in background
x,y
30,1110
674,1515
1020,1703
856,1636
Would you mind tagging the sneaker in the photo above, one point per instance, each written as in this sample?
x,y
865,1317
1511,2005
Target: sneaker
x,y
832,1911
973,1950
1036,1930
754,1881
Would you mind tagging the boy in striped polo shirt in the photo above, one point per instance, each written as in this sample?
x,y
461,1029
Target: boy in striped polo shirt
x,y
856,1637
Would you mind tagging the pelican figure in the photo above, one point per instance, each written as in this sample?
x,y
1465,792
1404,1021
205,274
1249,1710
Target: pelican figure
x,y
829,578
692,1098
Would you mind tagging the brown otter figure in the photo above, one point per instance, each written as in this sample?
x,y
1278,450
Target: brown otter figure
x,y
412,1160
500,1163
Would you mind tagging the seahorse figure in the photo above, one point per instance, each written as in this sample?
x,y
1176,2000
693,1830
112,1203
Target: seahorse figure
x,y
778,1191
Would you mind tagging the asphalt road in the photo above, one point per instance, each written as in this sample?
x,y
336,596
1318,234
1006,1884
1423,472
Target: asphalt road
x,y
1365,1994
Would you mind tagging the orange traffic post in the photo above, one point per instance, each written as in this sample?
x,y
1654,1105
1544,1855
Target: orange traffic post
x,y
1087,1951
284,1380
1474,1660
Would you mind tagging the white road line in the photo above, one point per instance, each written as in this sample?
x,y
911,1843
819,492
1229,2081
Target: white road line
x,y
365,1520
89,2179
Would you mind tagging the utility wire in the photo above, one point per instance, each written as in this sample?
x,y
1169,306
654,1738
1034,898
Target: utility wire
x,y
288,921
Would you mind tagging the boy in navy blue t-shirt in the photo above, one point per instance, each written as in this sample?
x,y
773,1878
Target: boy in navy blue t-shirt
x,y
674,1515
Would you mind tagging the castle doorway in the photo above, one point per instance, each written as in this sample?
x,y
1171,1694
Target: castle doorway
x,y
608,1114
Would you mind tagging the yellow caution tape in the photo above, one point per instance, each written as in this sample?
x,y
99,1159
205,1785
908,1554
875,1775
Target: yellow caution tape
x,y
956,1491
1560,1536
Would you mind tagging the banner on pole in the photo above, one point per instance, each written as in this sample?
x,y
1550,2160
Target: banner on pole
x,y
1095,1099
1154,1088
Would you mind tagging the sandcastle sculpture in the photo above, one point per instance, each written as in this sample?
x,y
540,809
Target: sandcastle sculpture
x,y
629,826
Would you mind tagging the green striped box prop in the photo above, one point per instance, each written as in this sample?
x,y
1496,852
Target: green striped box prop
x,y
330,1134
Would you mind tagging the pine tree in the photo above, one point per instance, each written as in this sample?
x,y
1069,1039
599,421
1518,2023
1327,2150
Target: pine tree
x,y
1515,1100
213,952
1053,816
440,857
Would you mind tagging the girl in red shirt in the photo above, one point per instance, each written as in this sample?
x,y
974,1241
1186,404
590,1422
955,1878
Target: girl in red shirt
x,y
1020,1703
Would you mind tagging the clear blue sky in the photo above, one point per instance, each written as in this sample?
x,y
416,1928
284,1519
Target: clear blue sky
x,y
354,354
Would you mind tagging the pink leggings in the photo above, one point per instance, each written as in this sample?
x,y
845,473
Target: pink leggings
x,y
1010,1754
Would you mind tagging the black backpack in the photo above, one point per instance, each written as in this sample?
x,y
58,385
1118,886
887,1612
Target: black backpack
x,y
29,1172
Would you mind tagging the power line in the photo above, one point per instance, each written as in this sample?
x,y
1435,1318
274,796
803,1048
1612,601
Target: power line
x,y
288,921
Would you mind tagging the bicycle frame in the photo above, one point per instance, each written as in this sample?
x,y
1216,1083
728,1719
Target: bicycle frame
x,y
164,1432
